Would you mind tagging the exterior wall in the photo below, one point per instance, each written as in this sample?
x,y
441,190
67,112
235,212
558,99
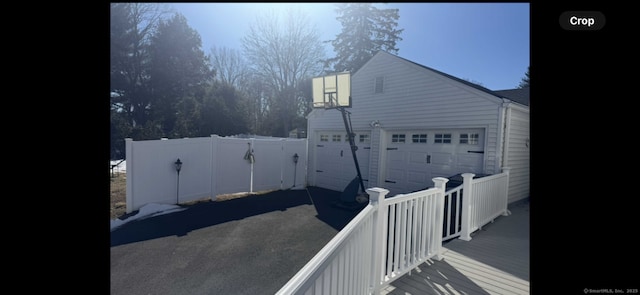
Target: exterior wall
x,y
414,97
517,152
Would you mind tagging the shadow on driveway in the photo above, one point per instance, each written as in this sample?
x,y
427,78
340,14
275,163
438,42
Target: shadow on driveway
x,y
335,217
207,214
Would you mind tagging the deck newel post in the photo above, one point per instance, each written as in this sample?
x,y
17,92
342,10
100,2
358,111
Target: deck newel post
x,y
441,184
465,232
377,200
506,170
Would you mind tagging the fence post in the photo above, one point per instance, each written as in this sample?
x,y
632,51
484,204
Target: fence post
x,y
377,200
441,184
128,156
214,166
506,170
467,188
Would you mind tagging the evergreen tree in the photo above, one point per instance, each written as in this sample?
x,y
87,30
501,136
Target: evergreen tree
x,y
179,75
365,30
131,26
525,81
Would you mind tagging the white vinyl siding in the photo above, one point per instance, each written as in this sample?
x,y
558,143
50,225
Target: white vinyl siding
x,y
414,98
518,154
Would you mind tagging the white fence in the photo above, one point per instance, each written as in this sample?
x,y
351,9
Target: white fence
x,y
211,166
385,240
391,236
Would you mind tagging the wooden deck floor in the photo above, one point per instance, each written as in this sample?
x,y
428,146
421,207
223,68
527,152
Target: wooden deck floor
x,y
495,261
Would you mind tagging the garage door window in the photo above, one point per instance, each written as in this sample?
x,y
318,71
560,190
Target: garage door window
x,y
469,138
398,138
443,138
364,138
337,137
324,137
419,138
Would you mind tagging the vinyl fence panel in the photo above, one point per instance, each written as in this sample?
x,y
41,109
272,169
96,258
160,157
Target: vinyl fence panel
x,y
211,166
152,176
231,171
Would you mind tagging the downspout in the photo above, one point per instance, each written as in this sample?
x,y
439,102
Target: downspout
x,y
500,143
507,136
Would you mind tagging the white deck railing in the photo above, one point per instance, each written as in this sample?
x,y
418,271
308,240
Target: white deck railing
x,y
391,236
452,219
385,240
343,266
483,200
412,231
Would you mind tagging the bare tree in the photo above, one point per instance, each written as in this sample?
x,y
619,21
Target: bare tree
x,y
257,94
229,65
284,54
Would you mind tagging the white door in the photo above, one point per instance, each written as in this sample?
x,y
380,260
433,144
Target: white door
x,y
415,157
334,163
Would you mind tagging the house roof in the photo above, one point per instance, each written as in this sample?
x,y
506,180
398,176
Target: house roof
x,y
517,95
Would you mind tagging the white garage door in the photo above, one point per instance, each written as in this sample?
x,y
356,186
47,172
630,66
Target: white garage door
x,y
415,157
333,160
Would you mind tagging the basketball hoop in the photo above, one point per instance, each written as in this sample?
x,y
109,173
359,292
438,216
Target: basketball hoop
x,y
334,92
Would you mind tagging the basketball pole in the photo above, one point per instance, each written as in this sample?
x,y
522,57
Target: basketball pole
x,y
352,143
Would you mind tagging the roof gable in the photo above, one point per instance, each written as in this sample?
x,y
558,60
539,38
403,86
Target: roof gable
x,y
517,95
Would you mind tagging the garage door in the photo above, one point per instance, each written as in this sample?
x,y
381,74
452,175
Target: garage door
x,y
333,160
415,157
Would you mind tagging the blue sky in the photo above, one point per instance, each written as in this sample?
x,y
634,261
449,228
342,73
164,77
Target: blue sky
x,y
486,43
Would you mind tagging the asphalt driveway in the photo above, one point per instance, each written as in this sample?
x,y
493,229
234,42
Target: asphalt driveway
x,y
252,245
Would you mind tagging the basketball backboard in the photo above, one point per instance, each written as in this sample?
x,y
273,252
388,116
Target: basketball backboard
x,y
332,91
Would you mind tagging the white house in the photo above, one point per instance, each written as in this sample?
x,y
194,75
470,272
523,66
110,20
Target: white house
x,y
414,123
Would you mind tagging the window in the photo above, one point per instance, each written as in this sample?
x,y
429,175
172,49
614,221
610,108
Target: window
x,y
324,137
364,138
379,85
469,138
398,138
337,137
419,138
443,138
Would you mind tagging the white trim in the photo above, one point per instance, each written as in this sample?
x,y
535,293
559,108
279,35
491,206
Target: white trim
x,y
382,156
500,150
507,136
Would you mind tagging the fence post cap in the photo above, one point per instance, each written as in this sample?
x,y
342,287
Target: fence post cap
x,y
377,190
440,179
470,175
376,193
